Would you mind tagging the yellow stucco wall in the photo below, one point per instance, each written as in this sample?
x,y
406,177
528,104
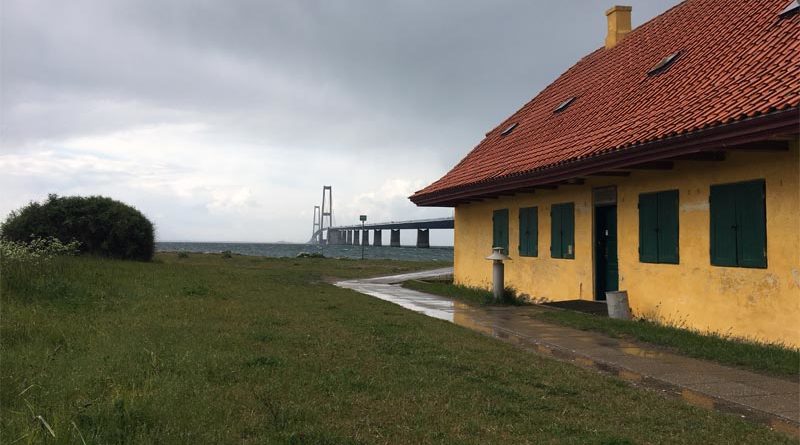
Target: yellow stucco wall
x,y
762,304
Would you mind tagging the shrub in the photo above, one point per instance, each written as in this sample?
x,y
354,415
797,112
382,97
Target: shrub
x,y
101,225
227,254
310,255
183,255
36,251
32,268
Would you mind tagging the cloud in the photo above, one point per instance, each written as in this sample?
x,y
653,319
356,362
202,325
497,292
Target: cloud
x,y
237,199
222,120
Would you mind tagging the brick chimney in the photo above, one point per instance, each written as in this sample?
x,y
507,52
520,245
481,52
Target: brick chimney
x,y
619,24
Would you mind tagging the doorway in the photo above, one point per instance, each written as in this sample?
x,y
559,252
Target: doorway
x,y
605,249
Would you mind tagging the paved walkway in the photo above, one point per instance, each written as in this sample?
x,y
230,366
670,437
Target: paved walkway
x,y
771,400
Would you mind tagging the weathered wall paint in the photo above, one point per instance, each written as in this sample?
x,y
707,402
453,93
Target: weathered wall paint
x,y
763,304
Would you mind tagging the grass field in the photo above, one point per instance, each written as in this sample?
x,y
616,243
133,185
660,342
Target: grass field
x,y
767,358
255,350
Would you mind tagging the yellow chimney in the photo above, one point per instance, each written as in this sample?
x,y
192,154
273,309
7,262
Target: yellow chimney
x,y
619,24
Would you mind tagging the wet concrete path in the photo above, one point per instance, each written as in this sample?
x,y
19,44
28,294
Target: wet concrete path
x,y
771,400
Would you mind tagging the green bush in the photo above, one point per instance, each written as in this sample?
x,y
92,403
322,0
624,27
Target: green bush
x,y
34,268
37,250
310,255
102,226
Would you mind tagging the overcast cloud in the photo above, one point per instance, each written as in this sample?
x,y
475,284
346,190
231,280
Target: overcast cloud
x,y
221,120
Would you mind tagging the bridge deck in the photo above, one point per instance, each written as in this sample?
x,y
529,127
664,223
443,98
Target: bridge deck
x,y
434,223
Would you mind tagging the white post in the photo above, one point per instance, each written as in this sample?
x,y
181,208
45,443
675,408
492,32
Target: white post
x,y
498,280
498,272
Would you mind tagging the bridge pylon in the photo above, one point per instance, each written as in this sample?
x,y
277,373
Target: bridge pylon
x,y
323,220
326,212
315,229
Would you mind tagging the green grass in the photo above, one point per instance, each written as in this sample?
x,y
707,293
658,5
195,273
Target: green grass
x,y
768,358
467,294
255,350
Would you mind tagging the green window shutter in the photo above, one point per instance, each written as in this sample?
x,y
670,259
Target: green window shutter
x,y
668,227
500,229
533,229
528,231
555,232
722,209
494,229
504,231
648,228
523,232
568,230
751,242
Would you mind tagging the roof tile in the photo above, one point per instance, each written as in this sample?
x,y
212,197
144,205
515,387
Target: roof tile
x,y
738,59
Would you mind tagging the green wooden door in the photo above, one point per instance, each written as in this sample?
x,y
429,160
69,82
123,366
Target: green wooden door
x,y
606,263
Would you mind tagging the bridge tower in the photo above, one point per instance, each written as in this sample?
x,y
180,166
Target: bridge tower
x,y
326,211
315,227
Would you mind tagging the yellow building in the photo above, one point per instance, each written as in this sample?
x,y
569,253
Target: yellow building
x,y
666,164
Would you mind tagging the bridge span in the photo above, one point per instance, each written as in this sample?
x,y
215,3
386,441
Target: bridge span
x,y
358,234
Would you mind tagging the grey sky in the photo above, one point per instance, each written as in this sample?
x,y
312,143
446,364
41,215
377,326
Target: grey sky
x,y
221,120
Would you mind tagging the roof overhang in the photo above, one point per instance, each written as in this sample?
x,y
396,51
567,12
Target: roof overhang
x,y
719,137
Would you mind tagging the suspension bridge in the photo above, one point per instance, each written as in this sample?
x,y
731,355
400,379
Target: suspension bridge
x,y
325,232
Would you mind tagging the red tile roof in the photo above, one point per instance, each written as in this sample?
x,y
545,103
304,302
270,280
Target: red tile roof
x,y
738,59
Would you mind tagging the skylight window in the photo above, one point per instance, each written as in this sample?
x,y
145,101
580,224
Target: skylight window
x,y
563,105
664,64
793,7
509,129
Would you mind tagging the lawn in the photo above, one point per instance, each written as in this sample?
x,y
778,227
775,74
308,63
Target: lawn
x,y
256,350
766,358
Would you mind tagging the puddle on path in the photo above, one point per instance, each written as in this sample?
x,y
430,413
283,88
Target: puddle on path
x,y
697,399
493,321
637,351
489,321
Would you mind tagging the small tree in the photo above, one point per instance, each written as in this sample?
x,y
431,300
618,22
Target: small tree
x,y
101,225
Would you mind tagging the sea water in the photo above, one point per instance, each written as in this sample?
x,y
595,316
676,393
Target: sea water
x,y
280,250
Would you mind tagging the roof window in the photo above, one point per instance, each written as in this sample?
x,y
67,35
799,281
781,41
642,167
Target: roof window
x,y
664,64
563,105
509,129
793,7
